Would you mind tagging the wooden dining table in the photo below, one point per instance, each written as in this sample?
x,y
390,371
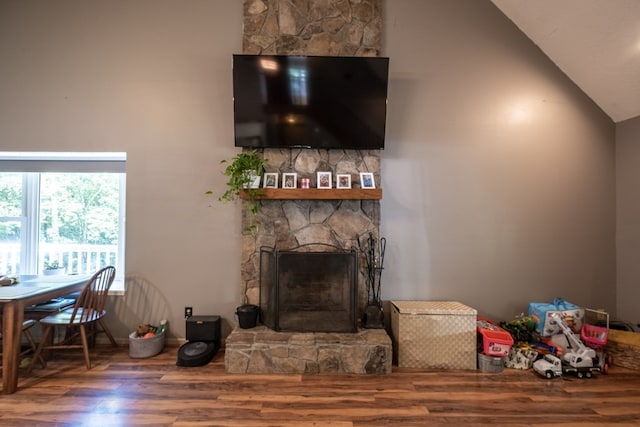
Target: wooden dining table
x,y
28,291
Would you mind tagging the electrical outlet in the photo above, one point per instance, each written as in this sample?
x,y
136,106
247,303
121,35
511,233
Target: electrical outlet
x,y
188,311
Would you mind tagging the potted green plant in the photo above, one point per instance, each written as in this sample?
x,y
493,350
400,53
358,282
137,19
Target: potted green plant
x,y
244,172
52,267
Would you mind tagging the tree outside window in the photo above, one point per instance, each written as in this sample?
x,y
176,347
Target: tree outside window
x,y
78,220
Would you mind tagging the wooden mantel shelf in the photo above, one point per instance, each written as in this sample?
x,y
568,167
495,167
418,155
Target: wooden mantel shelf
x,y
316,194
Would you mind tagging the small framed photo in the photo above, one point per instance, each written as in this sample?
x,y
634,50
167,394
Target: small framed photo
x,y
366,180
270,180
324,179
343,181
289,180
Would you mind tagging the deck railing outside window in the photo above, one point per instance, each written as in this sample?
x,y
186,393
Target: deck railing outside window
x,y
75,258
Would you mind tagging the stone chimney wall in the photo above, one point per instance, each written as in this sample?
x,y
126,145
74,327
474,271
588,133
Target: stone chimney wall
x,y
313,27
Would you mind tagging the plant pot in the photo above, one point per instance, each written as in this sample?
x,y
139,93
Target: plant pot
x,y
247,315
53,272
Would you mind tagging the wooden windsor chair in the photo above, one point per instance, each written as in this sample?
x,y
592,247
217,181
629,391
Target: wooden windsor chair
x,y
85,319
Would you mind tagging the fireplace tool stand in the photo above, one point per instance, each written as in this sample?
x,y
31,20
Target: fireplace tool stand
x,y
373,250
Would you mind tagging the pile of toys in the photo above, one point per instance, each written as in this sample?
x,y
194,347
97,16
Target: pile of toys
x,y
150,331
557,339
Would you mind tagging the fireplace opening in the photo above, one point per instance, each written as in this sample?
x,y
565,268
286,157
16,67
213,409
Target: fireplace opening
x,y
304,291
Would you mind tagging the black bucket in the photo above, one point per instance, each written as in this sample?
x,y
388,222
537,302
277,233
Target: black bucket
x,y
247,315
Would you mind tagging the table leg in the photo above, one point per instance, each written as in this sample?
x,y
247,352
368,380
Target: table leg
x,y
12,318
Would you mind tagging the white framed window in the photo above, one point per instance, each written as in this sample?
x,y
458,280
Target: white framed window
x,y
62,209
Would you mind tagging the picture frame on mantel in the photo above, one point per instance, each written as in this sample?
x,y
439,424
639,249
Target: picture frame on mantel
x,y
343,180
324,180
367,180
289,180
270,180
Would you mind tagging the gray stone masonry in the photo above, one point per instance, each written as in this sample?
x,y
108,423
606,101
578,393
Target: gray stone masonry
x,y
313,27
260,350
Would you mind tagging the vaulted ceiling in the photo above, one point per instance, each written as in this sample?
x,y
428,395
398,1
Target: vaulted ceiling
x,y
596,43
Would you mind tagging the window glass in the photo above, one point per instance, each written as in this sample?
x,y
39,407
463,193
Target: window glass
x,y
10,222
79,220
10,194
69,221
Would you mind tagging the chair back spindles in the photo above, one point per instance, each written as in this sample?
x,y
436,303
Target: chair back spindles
x,y
93,297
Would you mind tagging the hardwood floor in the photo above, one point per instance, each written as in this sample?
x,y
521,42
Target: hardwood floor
x,y
125,392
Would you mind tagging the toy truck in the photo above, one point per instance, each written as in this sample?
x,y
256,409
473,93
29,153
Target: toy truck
x,y
579,366
549,366
580,361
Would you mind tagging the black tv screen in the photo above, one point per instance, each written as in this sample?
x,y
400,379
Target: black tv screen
x,y
285,101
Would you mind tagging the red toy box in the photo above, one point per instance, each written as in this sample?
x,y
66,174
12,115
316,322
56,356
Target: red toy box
x,y
492,339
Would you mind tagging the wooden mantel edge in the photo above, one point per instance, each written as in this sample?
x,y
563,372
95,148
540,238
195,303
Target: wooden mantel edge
x,y
316,194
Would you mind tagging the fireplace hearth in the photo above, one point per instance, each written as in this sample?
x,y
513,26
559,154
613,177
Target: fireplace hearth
x,y
308,291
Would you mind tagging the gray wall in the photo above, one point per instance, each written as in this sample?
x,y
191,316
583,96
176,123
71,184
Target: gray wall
x,y
498,178
628,219
152,78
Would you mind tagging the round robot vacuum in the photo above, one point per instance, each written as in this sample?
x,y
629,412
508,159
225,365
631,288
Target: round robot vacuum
x,y
196,353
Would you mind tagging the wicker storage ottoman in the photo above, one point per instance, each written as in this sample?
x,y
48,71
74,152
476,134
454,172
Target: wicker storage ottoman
x,y
434,334
624,348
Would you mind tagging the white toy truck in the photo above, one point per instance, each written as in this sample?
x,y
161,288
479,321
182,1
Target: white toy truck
x,y
580,361
550,366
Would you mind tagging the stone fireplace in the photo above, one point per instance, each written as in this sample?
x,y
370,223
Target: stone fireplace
x,y
305,291
311,27
292,223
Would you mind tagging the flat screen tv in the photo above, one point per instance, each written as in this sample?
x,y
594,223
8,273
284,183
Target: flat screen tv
x,y
286,101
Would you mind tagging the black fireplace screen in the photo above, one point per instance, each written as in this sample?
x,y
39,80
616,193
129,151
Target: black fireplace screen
x,y
308,291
